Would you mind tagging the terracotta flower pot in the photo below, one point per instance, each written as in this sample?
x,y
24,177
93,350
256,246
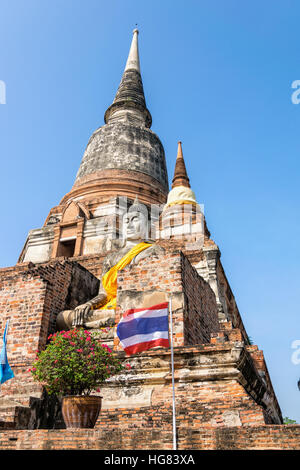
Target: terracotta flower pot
x,y
81,411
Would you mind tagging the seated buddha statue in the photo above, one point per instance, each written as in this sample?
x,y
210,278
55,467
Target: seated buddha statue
x,y
99,312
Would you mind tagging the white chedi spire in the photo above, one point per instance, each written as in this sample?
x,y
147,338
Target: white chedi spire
x,y
133,61
181,192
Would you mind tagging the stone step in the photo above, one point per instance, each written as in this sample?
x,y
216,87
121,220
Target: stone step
x,y
15,417
28,412
5,425
7,414
16,400
15,413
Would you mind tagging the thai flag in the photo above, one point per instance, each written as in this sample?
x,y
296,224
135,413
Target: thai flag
x,y
141,329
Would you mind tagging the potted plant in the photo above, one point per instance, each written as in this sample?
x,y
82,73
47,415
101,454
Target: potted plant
x,y
73,365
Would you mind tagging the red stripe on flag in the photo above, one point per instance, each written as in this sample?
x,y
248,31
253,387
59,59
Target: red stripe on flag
x,y
139,347
154,307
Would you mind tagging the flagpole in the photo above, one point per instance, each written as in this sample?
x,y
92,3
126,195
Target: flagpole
x,y
173,385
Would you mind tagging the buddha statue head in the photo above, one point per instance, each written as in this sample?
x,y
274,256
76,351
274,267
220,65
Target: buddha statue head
x,y
135,222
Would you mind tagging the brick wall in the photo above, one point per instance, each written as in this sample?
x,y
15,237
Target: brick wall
x,y
260,364
217,383
93,263
172,273
229,393
201,313
31,296
231,438
280,437
198,405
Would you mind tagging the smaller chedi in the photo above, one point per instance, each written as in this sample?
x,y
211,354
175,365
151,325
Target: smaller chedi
x,y
181,192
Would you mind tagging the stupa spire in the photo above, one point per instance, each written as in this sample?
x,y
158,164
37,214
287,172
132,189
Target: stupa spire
x,y
180,174
181,192
129,103
133,61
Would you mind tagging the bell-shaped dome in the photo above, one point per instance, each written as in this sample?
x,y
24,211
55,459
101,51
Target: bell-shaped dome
x,y
125,149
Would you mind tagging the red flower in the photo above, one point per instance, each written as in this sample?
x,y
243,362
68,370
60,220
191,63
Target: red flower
x,y
106,347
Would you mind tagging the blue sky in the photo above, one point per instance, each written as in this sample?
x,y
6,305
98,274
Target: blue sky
x,y
217,75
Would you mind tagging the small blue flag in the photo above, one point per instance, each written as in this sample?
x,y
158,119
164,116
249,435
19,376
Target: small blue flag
x,y
5,371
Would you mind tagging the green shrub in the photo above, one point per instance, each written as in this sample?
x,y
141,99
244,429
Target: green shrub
x,y
75,362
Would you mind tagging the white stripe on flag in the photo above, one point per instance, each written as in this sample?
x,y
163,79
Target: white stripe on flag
x,y
144,338
145,313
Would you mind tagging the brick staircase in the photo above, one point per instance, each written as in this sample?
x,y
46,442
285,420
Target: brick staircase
x,y
27,412
15,413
